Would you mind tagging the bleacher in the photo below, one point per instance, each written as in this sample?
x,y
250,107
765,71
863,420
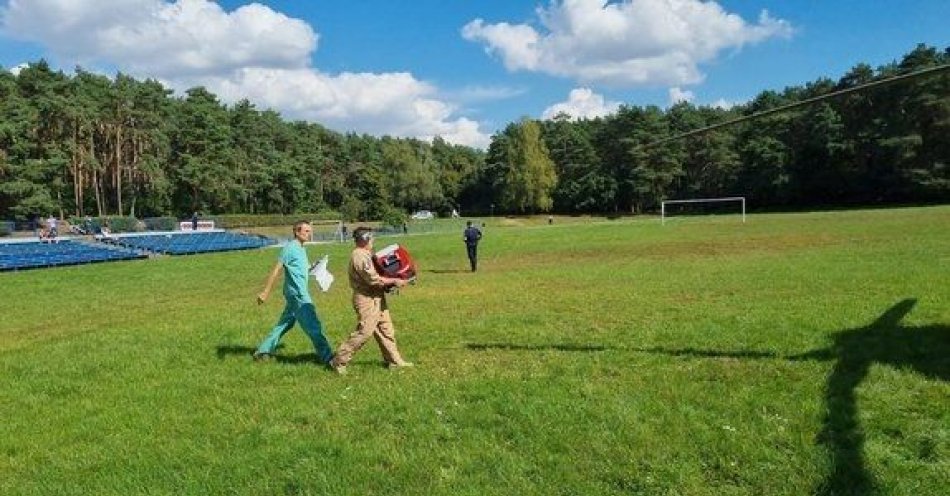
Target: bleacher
x,y
36,254
187,243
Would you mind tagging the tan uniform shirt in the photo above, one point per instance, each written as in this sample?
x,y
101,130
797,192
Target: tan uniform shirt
x,y
363,276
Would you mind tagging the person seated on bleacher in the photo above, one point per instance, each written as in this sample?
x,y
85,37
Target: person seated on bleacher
x,y
103,233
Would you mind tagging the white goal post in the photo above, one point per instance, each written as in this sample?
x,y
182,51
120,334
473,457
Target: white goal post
x,y
328,230
664,203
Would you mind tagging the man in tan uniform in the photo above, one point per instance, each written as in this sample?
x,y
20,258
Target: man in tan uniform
x,y
369,301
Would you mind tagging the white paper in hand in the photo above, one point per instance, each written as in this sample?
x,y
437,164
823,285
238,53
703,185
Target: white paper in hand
x,y
323,276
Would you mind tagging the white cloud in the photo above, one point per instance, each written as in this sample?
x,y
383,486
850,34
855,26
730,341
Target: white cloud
x,y
15,70
626,43
251,52
465,132
723,104
517,43
163,39
393,103
678,95
476,93
582,103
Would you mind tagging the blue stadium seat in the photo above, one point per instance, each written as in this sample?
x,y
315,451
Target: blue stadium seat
x,y
30,255
192,243
35,254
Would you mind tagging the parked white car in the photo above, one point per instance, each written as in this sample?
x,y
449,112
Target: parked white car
x,y
423,215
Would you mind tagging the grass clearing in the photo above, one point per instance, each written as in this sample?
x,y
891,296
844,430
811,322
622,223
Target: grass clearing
x,y
804,353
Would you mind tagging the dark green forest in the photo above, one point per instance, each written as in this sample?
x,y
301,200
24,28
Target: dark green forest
x,y
86,144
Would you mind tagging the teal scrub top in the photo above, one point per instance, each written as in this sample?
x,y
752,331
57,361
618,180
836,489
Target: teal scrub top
x,y
296,270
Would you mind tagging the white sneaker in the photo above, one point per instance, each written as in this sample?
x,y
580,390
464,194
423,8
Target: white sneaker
x,y
336,368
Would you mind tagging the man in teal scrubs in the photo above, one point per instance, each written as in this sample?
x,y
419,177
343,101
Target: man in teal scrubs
x,y
299,308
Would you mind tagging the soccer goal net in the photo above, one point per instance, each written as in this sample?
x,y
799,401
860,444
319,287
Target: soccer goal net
x,y
701,206
329,230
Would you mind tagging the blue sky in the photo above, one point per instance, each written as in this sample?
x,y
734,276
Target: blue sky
x,y
464,69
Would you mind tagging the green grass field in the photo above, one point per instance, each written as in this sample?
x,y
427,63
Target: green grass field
x,y
794,354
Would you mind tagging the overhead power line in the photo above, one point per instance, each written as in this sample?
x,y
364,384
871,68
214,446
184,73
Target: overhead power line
x,y
807,101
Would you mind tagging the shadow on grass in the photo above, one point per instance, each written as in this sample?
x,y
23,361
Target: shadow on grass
x,y
923,349
696,352
535,347
224,351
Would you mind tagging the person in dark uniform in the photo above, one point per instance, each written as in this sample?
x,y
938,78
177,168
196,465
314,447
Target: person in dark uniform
x,y
471,237
194,221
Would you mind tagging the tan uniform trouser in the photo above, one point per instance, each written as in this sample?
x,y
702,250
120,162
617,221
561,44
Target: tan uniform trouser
x,y
374,320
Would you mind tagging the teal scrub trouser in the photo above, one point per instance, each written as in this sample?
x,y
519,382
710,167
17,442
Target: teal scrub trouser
x,y
304,313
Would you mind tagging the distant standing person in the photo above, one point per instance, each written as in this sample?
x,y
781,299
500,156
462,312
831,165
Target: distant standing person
x,y
52,224
194,221
472,236
299,306
369,302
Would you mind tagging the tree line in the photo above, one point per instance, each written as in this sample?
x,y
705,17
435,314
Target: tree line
x,y
86,144
882,145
